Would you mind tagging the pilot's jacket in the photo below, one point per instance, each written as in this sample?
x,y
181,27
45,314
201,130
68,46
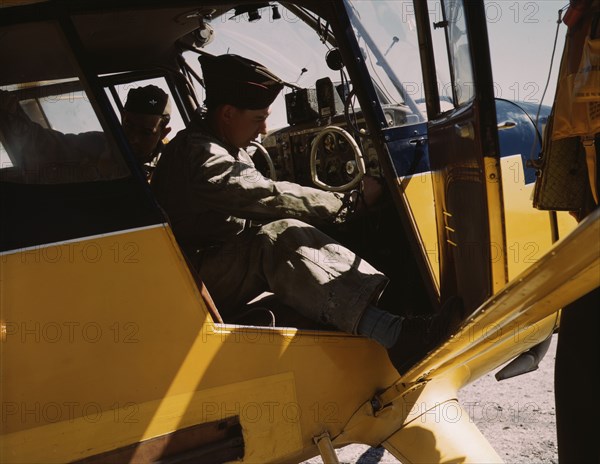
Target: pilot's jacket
x,y
214,197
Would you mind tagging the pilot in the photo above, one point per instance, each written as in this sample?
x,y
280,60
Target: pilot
x,y
145,120
247,234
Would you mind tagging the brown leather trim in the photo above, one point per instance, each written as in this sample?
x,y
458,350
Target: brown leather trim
x,y
210,304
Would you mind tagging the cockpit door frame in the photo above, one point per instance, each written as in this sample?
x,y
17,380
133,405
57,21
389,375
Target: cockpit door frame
x,y
465,163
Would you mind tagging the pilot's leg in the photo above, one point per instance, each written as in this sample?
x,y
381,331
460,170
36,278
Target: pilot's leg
x,y
322,279
306,270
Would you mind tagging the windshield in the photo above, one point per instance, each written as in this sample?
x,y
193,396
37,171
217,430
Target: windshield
x,y
387,35
278,39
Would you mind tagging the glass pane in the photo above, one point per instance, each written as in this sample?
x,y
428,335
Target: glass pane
x,y
176,122
440,55
70,113
49,130
387,35
460,57
297,55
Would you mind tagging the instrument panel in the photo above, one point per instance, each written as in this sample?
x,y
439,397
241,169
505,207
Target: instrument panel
x,y
323,108
290,150
336,161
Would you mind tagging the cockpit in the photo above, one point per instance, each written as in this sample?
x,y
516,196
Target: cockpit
x,y
319,132
348,111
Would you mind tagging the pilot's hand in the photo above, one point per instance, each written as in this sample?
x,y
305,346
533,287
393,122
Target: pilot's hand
x,y
370,194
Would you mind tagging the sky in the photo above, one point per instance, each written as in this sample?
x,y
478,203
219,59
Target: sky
x,y
521,35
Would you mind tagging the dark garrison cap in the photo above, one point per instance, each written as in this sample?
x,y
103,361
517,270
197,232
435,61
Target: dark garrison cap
x,y
239,82
148,100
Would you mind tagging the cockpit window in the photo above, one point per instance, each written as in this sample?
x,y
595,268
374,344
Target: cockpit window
x,y
458,51
49,131
277,38
387,37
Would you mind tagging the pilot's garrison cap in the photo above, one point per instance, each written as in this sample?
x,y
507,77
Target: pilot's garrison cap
x,y
149,99
232,79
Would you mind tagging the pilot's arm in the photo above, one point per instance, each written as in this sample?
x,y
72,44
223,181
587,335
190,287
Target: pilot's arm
x,y
38,150
231,184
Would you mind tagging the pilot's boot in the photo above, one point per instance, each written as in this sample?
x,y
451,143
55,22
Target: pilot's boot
x,y
421,334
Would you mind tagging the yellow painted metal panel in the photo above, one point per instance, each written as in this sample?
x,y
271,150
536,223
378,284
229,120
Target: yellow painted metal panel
x,y
443,434
267,406
496,213
528,233
108,341
419,193
570,269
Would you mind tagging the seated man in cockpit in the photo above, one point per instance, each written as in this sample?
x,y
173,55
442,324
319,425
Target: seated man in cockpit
x,y
213,194
49,156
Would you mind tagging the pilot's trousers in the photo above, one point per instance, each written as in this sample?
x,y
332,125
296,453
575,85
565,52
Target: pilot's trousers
x,y
305,269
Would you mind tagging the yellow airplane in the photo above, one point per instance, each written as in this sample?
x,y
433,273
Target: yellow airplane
x,y
112,349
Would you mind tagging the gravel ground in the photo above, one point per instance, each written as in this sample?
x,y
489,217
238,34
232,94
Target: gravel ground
x,y
516,415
